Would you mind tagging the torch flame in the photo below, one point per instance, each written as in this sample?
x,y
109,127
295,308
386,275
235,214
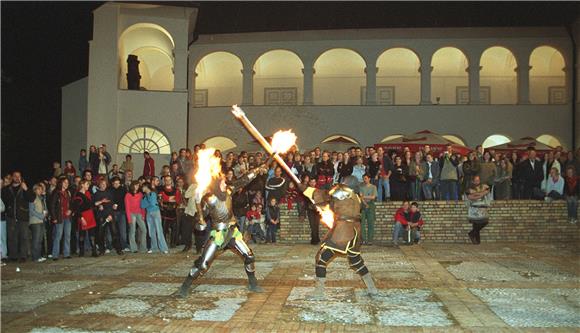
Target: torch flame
x,y
208,168
282,141
327,216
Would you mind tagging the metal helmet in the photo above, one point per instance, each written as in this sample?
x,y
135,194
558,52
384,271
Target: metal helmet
x,y
352,182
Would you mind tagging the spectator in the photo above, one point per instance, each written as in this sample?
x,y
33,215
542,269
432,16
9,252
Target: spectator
x,y
254,229
128,179
169,199
532,176
148,166
83,163
151,205
69,171
313,216
56,170
554,186
115,172
3,244
240,204
415,223
415,176
118,193
448,177
60,214
103,201
272,220
401,222
374,168
359,169
479,153
276,186
344,167
127,164
38,212
180,211
478,195
189,219
94,160
398,180
104,161
309,168
17,197
471,167
487,169
572,193
517,183
325,172
430,177
83,204
368,193
384,188
135,218
550,161
502,180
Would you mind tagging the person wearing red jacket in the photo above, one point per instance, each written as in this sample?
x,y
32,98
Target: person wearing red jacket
x,y
148,166
401,222
415,223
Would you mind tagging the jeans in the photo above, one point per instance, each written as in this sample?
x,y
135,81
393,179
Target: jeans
x,y
137,221
415,189
449,190
271,232
121,220
60,230
428,189
3,244
37,230
383,185
241,223
572,205
397,231
156,232
17,238
368,222
415,234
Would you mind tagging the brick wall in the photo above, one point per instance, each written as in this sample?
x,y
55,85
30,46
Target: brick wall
x,y
447,222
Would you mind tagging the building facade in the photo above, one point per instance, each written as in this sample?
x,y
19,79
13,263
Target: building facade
x,y
474,85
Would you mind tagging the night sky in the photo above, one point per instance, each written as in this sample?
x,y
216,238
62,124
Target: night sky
x,y
45,46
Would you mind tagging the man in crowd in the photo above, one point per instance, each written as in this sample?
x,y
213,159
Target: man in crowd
x,y
448,175
16,198
532,174
431,176
148,165
368,194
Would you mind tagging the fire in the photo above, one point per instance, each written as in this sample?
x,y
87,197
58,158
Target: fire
x,y
282,141
208,168
327,216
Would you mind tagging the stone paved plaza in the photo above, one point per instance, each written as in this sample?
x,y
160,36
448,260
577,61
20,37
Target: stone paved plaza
x,y
429,287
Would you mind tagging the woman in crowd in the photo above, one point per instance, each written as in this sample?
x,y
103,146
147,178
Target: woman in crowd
x,y
38,212
415,176
325,170
135,218
503,183
398,181
83,206
572,193
151,205
487,169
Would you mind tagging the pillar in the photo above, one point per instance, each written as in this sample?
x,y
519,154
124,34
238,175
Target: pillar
x,y
473,72
523,79
308,94
425,71
248,85
371,96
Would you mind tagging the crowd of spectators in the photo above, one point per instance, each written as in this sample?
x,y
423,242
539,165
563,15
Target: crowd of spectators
x,y
98,206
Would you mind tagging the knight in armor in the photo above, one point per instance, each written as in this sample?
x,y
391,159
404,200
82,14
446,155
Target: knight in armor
x,y
224,234
344,238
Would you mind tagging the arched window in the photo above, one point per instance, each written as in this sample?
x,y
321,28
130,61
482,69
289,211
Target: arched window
x,y
549,140
454,139
218,80
547,76
391,137
338,78
498,75
494,140
340,138
449,80
142,139
153,46
398,77
278,79
220,142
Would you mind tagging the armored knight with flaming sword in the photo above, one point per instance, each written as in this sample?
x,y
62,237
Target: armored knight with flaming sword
x,y
340,209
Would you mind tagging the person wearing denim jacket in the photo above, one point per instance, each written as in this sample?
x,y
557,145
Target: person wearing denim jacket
x,y
151,205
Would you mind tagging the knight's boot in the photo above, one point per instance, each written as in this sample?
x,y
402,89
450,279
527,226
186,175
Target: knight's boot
x,y
253,284
368,280
184,289
318,294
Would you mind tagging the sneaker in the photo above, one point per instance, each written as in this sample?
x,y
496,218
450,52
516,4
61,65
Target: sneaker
x,y
50,256
42,259
126,249
165,252
107,251
149,251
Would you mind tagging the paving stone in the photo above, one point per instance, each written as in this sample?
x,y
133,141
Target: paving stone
x,y
147,289
68,330
533,307
26,295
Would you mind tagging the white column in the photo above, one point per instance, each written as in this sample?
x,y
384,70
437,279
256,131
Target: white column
x,y
308,93
371,96
523,79
425,71
248,86
180,70
473,72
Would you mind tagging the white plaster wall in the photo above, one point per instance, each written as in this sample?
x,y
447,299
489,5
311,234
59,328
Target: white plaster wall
x,y
74,120
370,124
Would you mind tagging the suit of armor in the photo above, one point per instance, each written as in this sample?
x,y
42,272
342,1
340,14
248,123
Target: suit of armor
x,y
344,238
224,234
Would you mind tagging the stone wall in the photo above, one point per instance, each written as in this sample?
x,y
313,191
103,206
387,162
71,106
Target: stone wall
x,y
510,221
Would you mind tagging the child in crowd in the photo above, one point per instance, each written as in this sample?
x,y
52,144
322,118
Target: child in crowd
x,y
254,229
414,223
272,221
